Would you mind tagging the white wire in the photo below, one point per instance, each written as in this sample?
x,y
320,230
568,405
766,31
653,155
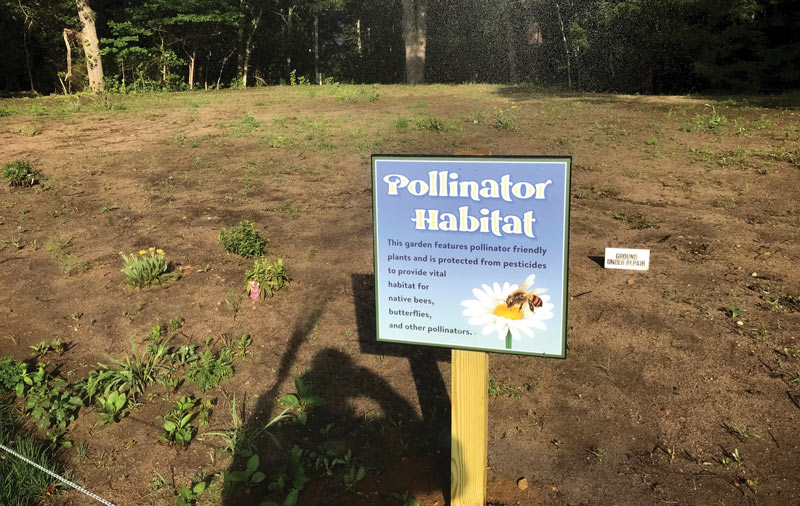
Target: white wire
x,y
59,478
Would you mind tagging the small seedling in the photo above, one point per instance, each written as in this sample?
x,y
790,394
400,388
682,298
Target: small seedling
x,y
232,300
353,476
302,402
248,477
599,453
732,311
187,496
405,499
742,432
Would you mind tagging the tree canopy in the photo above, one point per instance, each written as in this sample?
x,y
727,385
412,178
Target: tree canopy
x,y
645,46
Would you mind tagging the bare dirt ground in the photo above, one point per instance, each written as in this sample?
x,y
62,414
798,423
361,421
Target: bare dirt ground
x,y
681,384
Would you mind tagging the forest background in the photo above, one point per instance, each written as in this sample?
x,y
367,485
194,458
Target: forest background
x,y
632,46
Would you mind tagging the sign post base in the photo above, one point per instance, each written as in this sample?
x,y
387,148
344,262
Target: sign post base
x,y
469,427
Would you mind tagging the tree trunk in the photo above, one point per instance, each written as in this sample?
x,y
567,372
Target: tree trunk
x,y
248,47
91,45
511,42
67,82
566,46
358,31
415,27
192,59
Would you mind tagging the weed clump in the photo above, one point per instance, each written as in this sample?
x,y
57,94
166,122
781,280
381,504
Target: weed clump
x,y
243,240
433,124
20,173
270,276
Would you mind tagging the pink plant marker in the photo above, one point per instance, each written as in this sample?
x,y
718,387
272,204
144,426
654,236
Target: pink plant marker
x,y
254,289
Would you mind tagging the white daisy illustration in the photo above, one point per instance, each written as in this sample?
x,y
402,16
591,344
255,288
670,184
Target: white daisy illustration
x,y
490,309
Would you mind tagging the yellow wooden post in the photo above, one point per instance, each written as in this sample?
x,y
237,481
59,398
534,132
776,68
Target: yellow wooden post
x,y
469,427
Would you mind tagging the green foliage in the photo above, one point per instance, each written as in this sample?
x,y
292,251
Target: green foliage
x,y
210,370
11,373
131,374
53,404
111,407
499,389
711,122
20,173
178,428
270,276
243,240
434,124
506,119
146,268
20,483
302,402
187,496
353,476
354,94
247,477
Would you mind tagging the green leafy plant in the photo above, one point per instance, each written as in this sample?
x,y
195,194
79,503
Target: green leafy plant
x,y
506,119
111,407
210,370
243,240
20,173
353,476
247,477
187,496
270,276
178,428
146,268
302,401
405,499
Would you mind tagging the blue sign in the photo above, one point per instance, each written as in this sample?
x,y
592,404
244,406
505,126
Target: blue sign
x,y
471,252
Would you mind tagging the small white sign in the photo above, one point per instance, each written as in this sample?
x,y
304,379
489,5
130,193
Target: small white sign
x,y
626,258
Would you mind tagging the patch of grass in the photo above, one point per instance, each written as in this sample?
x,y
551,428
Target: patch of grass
x,y
287,207
434,124
400,124
243,240
242,127
69,263
146,268
354,94
20,173
711,122
636,221
20,483
727,202
270,276
499,389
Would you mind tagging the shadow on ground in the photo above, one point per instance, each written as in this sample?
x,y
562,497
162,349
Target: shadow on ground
x,y
399,450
